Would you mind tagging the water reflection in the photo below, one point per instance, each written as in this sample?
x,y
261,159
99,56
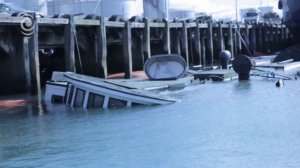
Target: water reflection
x,y
221,125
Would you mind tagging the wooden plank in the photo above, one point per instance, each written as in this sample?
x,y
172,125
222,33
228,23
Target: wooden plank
x,y
34,57
137,25
146,40
52,21
11,20
157,25
127,52
191,25
175,25
114,24
70,45
101,49
86,22
203,25
166,38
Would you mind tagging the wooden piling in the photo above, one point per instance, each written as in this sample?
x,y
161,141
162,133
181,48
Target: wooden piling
x,y
253,39
70,44
276,37
175,38
197,42
246,39
220,37
34,57
238,39
127,52
266,39
230,40
146,40
184,43
210,46
166,37
101,57
260,38
203,47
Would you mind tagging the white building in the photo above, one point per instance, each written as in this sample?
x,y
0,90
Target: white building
x,y
156,9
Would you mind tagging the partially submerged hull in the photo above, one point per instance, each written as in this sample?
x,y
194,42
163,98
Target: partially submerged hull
x,y
90,92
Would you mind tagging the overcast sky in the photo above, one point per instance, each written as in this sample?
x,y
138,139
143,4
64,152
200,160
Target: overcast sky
x,y
221,8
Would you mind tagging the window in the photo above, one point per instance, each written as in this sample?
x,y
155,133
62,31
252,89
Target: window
x,y
79,98
116,103
95,101
70,91
57,99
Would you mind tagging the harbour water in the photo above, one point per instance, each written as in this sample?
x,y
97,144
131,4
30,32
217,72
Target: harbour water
x,y
222,125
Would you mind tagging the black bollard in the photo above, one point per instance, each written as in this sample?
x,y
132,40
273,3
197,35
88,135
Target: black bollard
x,y
225,56
242,66
280,83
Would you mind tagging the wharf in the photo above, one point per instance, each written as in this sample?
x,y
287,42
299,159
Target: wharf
x,y
97,46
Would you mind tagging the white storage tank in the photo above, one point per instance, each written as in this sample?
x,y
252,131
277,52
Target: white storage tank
x,y
156,9
106,8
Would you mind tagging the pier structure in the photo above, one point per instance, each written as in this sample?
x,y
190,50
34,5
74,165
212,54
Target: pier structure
x,y
97,46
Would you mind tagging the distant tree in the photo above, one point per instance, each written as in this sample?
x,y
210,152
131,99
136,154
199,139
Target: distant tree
x,y
270,15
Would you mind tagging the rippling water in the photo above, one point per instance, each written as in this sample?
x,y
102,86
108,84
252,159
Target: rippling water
x,y
223,125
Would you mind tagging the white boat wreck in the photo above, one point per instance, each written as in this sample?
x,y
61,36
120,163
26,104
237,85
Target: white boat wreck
x,y
91,92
